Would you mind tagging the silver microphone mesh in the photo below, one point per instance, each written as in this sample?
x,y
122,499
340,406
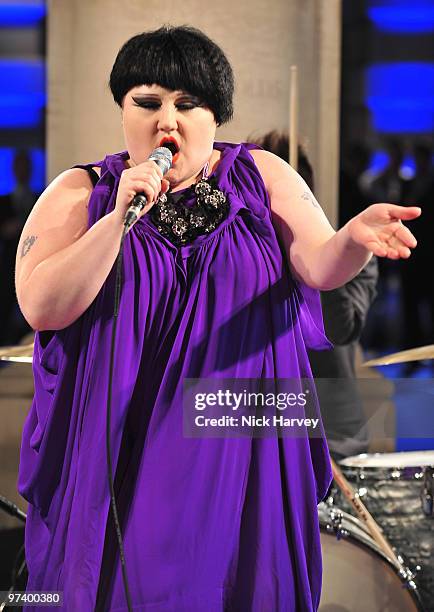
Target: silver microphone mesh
x,y
162,156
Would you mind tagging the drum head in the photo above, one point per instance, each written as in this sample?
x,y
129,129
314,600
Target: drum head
x,y
390,460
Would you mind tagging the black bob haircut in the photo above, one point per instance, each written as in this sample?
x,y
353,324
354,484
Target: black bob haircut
x,y
176,58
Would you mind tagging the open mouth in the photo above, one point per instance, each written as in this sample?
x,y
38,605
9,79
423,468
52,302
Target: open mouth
x,y
172,145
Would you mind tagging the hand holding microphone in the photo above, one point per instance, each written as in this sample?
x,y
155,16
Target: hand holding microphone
x,y
140,186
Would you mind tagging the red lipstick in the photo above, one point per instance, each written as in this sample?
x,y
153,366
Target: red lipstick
x,y
171,143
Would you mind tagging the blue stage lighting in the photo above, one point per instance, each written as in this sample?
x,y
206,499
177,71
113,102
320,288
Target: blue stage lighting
x,y
402,16
380,159
21,14
400,97
22,93
378,162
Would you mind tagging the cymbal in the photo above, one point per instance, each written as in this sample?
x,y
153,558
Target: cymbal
x,y
416,354
23,353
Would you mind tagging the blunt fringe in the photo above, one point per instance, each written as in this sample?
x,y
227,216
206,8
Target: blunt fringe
x,y
176,58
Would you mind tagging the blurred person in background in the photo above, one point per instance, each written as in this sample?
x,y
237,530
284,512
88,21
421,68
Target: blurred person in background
x,y
418,293
14,210
383,332
344,311
390,185
353,181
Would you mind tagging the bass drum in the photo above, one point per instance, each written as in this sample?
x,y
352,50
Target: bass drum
x,y
398,490
357,576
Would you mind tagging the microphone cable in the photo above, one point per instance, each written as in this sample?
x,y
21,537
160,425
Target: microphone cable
x,y
20,566
162,156
118,289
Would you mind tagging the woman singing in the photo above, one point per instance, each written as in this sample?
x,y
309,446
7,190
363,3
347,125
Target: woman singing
x,y
221,274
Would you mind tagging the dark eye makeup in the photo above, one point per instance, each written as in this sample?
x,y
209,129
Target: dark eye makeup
x,y
182,103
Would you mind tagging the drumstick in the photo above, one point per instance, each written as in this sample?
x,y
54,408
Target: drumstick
x,y
363,513
293,118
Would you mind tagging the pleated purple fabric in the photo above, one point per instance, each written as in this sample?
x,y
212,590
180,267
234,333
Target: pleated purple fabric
x,y
209,524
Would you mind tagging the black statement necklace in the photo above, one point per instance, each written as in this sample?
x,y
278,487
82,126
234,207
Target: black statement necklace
x,y
182,224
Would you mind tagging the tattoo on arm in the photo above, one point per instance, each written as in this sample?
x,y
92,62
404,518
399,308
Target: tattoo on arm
x,y
27,245
309,197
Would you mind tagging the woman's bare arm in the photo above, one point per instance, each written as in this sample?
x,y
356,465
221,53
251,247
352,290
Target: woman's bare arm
x,y
60,265
320,256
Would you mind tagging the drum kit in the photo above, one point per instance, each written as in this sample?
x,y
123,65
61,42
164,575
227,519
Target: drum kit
x,y
377,523
377,527
377,534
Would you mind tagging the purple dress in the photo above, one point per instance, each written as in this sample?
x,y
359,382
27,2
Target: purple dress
x,y
209,524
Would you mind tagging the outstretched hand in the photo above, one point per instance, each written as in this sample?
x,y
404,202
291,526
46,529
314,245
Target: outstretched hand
x,y
379,229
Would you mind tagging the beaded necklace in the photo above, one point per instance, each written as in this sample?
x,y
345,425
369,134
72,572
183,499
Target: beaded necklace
x,y
181,224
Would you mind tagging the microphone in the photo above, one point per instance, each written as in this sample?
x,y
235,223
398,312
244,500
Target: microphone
x,y
162,156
